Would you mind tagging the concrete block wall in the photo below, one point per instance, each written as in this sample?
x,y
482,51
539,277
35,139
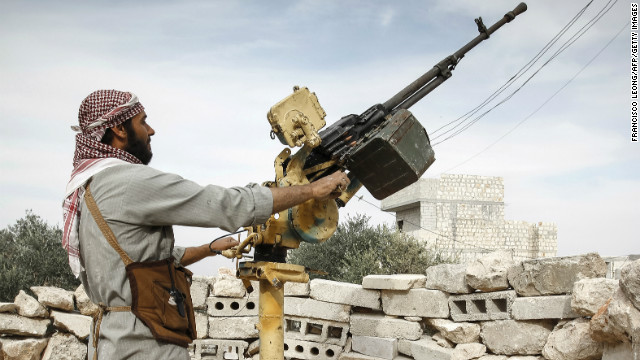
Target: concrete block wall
x,y
554,309
467,212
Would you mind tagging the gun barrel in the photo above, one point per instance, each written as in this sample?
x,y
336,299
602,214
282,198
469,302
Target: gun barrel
x,y
426,83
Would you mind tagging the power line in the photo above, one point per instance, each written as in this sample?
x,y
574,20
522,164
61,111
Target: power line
x,y
515,77
546,101
577,35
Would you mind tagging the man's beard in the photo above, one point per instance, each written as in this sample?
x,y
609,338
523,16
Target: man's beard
x,y
137,147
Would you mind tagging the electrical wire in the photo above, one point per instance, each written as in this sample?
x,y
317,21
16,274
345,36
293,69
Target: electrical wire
x,y
515,77
577,35
545,102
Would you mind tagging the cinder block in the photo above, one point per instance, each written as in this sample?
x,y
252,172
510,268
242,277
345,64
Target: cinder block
x,y
394,282
378,325
358,356
299,349
304,307
202,324
415,302
543,307
482,306
316,330
344,293
211,349
296,289
427,349
233,327
228,307
384,348
199,292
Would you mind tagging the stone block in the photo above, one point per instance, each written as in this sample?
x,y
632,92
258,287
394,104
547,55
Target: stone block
x,y
616,321
199,294
299,349
456,332
404,346
571,340
468,351
12,324
202,324
83,303
443,341
554,276
358,356
22,349
630,282
621,351
543,307
489,272
503,357
233,327
384,348
344,293
213,349
228,286
304,307
378,325
296,289
510,337
54,297
482,306
589,295
8,307
427,349
76,324
415,302
63,347
450,278
228,307
394,282
28,306
316,330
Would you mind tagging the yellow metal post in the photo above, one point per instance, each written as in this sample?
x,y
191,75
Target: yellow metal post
x,y
271,312
272,277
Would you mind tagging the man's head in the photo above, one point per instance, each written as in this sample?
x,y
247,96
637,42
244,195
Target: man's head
x,y
114,118
132,136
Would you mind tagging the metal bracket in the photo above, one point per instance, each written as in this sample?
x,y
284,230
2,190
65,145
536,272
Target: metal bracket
x,y
481,27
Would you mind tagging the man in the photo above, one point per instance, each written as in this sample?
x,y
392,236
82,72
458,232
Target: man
x,y
140,204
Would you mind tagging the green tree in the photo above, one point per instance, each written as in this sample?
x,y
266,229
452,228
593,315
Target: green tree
x,y
358,249
32,255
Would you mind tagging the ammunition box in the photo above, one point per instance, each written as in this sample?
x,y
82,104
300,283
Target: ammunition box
x,y
393,157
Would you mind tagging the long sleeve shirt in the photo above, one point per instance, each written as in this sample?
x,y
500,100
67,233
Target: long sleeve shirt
x,y
140,205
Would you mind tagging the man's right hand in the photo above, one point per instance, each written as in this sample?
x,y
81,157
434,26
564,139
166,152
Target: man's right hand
x,y
328,187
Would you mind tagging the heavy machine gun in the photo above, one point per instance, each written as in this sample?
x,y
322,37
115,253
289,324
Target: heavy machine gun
x,y
384,149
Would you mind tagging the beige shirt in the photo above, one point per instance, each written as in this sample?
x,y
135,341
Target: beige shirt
x,y
140,204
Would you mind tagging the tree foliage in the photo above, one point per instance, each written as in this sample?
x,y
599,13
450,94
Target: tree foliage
x,y
358,249
32,255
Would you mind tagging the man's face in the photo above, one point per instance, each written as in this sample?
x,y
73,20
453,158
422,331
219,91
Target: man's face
x,y
139,138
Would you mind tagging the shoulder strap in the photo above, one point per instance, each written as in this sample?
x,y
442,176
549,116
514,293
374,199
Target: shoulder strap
x,y
104,227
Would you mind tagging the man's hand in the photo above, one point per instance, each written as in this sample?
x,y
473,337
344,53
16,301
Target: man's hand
x,y
328,187
224,244
197,253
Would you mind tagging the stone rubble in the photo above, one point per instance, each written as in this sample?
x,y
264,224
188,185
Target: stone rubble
x,y
540,309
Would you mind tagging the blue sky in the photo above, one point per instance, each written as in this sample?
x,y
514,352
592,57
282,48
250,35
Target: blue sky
x,y
208,71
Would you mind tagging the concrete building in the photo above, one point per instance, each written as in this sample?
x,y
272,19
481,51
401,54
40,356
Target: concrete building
x,y
463,215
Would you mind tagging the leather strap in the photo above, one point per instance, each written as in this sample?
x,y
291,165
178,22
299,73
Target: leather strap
x,y
104,227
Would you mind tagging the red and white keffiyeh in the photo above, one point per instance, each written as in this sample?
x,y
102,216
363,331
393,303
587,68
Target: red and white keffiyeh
x,y
99,111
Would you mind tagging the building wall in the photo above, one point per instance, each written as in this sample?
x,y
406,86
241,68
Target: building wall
x,y
464,216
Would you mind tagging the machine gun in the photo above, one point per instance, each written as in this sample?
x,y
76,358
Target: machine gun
x,y
385,149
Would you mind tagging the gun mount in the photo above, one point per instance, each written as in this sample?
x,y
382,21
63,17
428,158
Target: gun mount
x,y
384,149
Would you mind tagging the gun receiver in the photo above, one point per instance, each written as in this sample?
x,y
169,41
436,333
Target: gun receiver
x,y
385,147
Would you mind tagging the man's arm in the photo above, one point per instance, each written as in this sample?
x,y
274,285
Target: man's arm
x,y
325,188
197,253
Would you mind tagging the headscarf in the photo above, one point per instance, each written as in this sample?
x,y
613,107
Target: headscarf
x,y
99,111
